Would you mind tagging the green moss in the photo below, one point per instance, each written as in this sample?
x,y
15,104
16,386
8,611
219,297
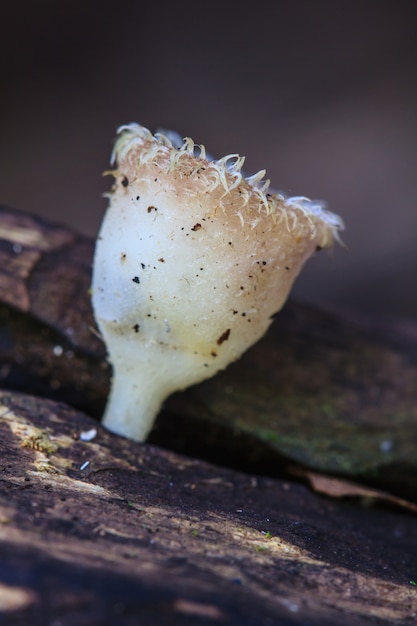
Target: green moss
x,y
41,442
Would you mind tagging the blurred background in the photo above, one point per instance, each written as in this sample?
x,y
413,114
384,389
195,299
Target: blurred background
x,y
322,94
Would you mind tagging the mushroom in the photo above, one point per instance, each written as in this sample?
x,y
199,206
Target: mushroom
x,y
192,261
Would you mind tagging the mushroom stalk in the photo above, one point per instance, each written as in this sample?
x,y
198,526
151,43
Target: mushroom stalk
x,y
191,263
135,418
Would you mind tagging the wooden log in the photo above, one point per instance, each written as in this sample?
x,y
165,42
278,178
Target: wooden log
x,y
101,530
332,393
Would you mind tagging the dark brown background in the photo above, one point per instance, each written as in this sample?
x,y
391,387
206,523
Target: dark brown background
x,y
321,93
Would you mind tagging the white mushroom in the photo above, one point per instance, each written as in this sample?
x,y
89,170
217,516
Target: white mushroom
x,y
191,263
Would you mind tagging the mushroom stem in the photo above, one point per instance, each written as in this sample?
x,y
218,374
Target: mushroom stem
x,y
128,409
136,394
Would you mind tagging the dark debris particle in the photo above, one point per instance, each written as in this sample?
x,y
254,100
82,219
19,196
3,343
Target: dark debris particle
x,y
196,227
161,260
143,265
151,208
123,256
136,328
223,337
136,279
125,181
